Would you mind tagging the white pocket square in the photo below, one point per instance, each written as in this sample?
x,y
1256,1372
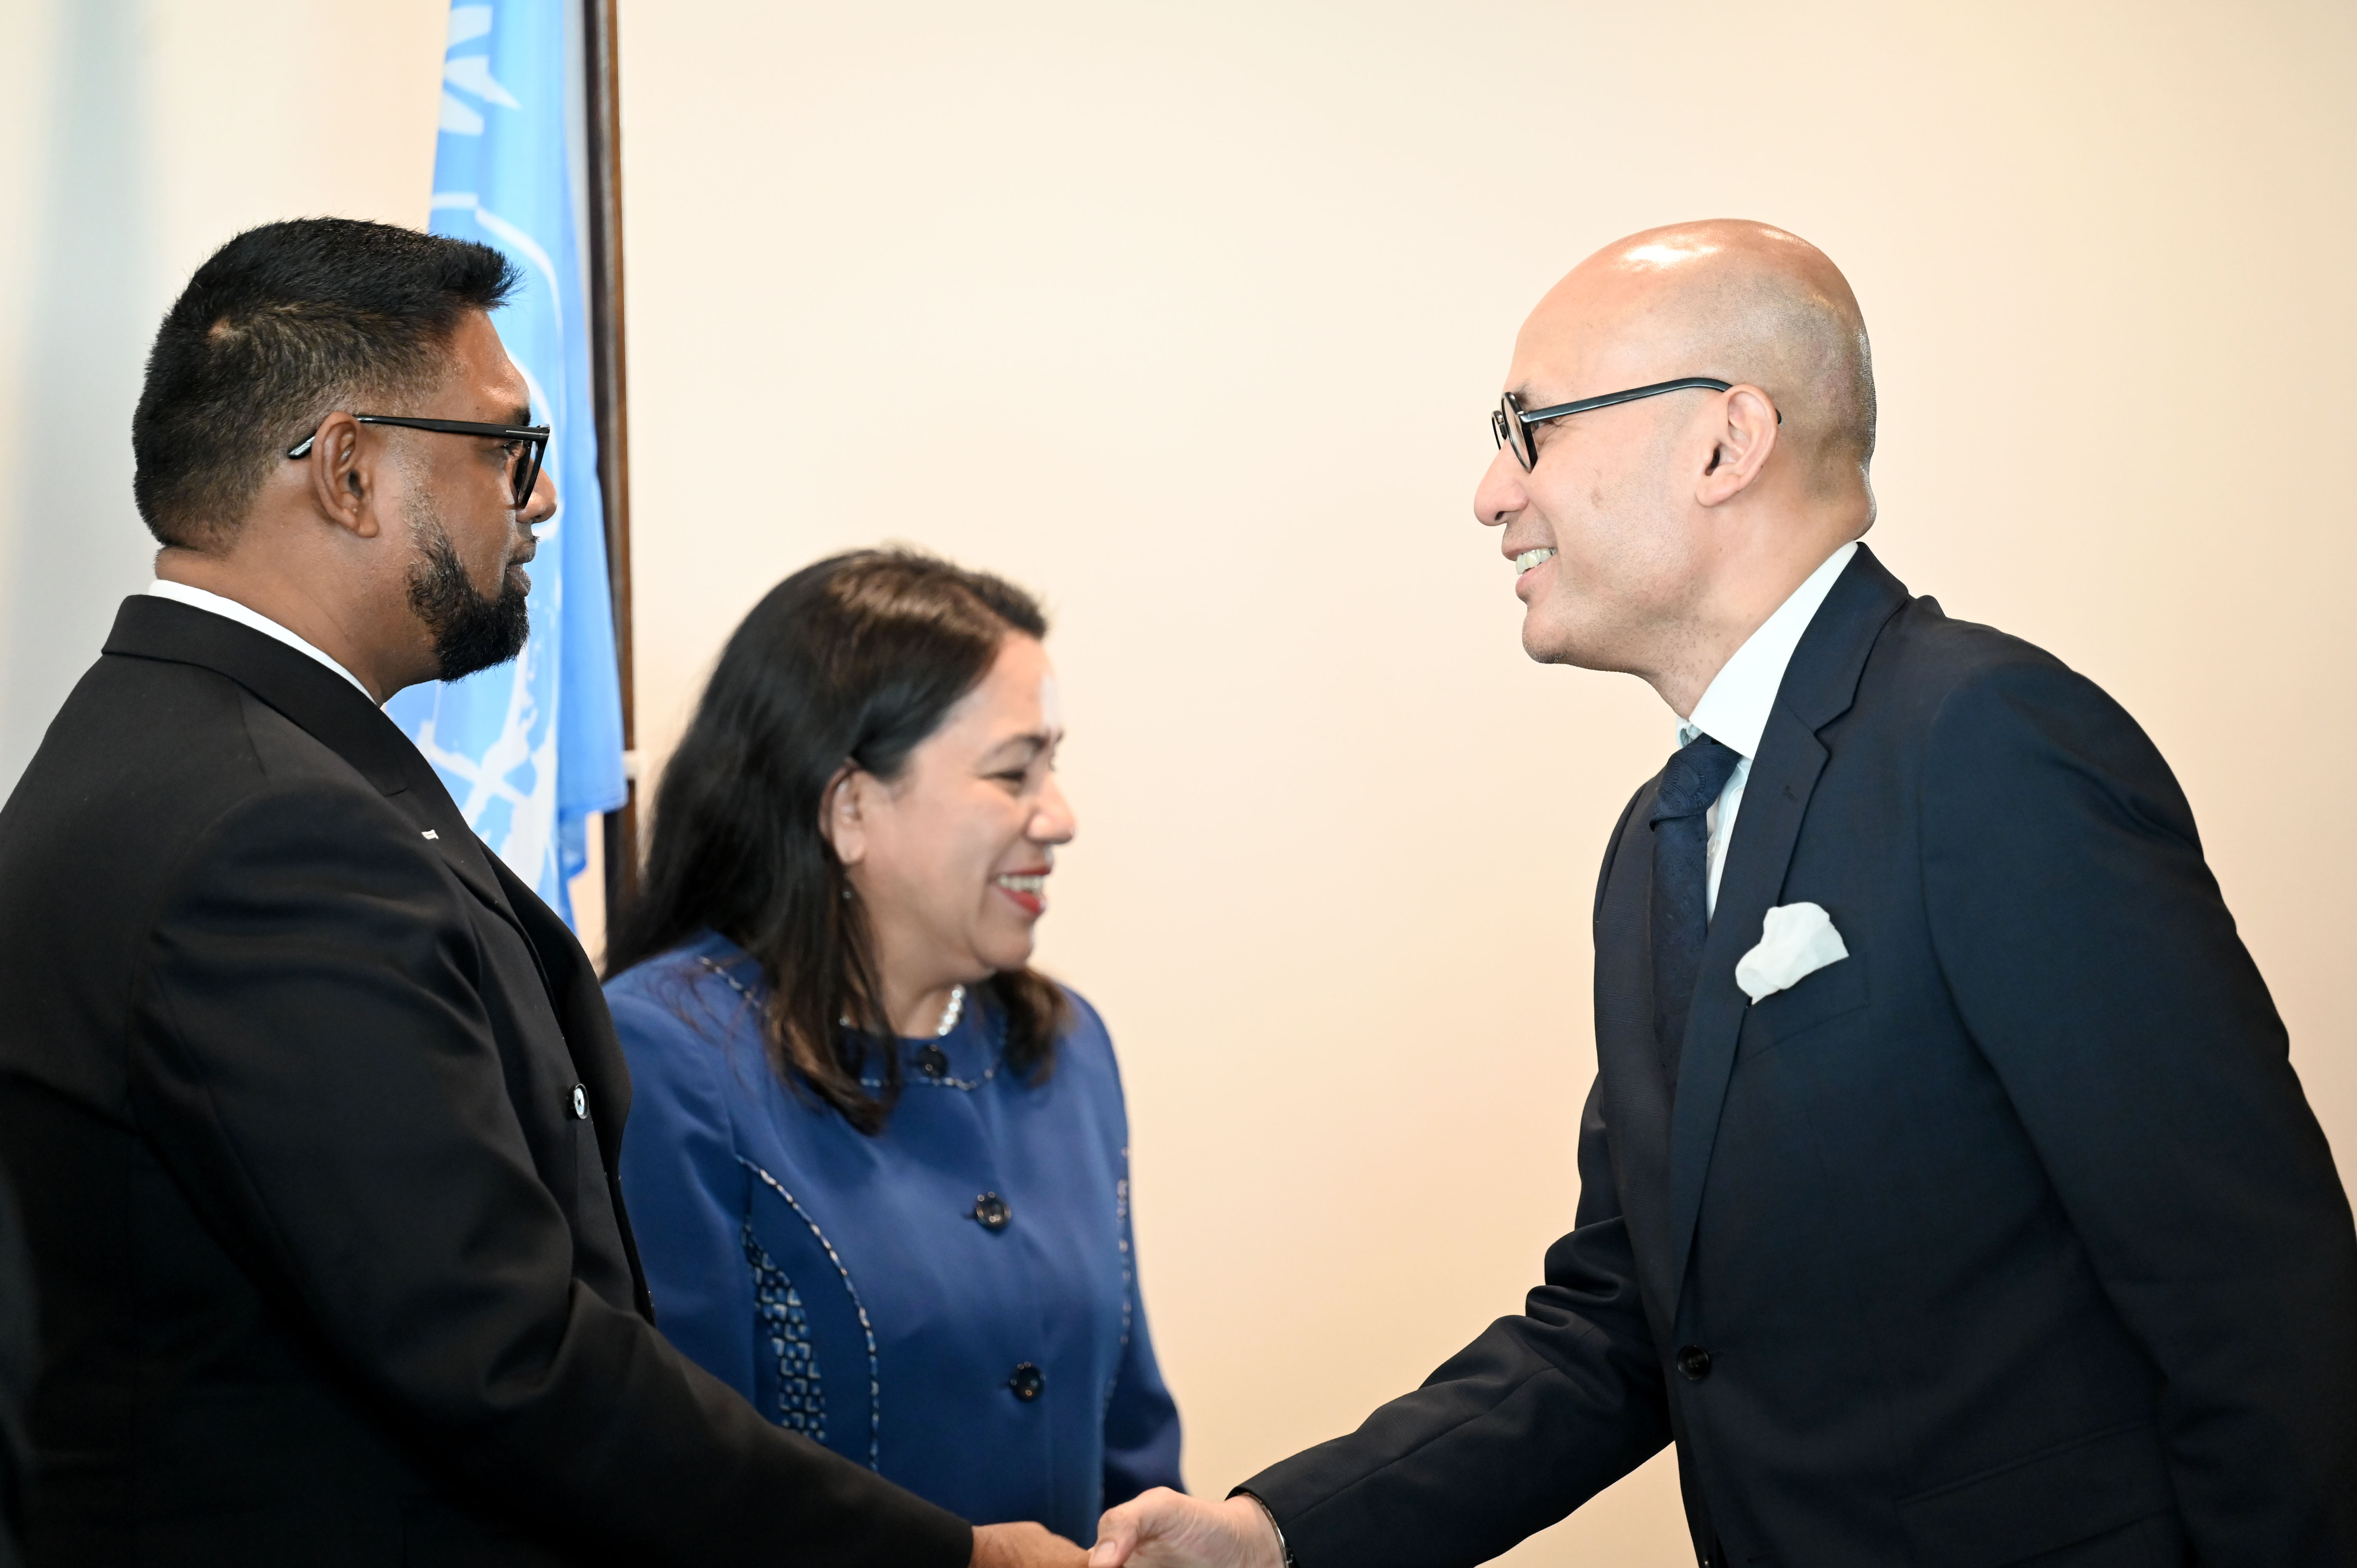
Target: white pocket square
x,y
1795,942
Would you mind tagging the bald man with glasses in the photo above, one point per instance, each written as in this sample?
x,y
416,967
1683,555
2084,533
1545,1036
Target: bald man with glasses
x,y
1947,1195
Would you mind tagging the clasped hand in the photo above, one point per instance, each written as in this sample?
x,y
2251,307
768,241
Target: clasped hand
x,y
1161,1528
1023,1546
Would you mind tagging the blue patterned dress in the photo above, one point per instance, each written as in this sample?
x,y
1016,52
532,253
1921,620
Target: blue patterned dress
x,y
953,1303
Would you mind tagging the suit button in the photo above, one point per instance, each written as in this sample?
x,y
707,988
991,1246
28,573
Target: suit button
x,y
991,1211
1693,1361
933,1062
581,1102
1028,1382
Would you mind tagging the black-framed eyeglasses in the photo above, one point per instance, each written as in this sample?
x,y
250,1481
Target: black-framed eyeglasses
x,y
526,471
1511,422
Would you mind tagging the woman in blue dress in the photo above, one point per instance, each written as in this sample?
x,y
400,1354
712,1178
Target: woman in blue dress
x,y
878,1167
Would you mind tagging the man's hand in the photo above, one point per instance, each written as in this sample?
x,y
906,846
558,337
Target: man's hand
x,y
1023,1546
1163,1529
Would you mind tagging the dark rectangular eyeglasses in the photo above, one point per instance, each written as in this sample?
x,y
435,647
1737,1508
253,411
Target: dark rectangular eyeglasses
x,y
1511,422
528,444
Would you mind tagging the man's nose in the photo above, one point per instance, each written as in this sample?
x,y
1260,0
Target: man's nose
x,y
1500,494
542,505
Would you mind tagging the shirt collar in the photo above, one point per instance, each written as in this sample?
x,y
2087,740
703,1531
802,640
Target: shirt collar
x,y
199,599
1735,706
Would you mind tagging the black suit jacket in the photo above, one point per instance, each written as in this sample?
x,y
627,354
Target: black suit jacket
x,y
332,1264
18,1361
2010,1238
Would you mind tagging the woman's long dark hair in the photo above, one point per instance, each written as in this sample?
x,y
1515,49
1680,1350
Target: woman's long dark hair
x,y
856,659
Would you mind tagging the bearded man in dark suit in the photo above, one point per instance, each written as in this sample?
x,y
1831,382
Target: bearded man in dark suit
x,y
312,1108
1947,1195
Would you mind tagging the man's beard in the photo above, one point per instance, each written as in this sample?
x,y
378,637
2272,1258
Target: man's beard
x,y
471,630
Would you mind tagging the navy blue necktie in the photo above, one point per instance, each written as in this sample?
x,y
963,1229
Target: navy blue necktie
x,y
1691,781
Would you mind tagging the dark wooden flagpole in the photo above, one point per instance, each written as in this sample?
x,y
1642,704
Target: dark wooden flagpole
x,y
609,374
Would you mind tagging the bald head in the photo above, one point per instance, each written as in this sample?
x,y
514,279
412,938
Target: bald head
x,y
1740,301
1654,535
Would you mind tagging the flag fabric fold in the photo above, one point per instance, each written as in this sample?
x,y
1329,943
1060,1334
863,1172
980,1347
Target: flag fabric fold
x,y
531,750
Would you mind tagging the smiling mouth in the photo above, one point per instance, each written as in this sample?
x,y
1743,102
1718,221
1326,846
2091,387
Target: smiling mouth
x,y
1530,558
1028,889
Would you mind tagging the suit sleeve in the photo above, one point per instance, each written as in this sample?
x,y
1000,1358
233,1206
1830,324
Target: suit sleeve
x,y
1531,1420
19,1360
313,1058
1141,1424
2093,960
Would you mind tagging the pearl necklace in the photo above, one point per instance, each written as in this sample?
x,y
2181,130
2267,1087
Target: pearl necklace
x,y
950,1016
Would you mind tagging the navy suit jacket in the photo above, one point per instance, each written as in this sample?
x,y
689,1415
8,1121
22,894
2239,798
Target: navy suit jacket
x,y
2010,1236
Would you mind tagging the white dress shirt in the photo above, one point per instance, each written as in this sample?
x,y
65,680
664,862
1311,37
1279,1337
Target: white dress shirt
x,y
200,600
1733,708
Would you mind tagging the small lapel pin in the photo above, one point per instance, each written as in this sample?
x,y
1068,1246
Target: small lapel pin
x,y
432,834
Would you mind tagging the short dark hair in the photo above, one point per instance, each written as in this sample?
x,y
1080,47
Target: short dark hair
x,y
279,329
854,659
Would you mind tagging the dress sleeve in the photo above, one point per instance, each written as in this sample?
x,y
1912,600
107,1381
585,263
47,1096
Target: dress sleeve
x,y
686,1188
1141,1429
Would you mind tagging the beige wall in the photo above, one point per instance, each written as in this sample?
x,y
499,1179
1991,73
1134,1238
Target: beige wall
x,y
1187,317
135,135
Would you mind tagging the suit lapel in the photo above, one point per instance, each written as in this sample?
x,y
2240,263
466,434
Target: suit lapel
x,y
470,860
1775,799
327,708
1818,687
589,1041
580,1006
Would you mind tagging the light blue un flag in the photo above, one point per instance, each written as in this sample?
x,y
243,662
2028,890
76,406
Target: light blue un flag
x,y
530,749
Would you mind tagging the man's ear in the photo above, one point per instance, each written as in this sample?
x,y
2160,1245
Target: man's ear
x,y
1739,448
842,817
341,469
